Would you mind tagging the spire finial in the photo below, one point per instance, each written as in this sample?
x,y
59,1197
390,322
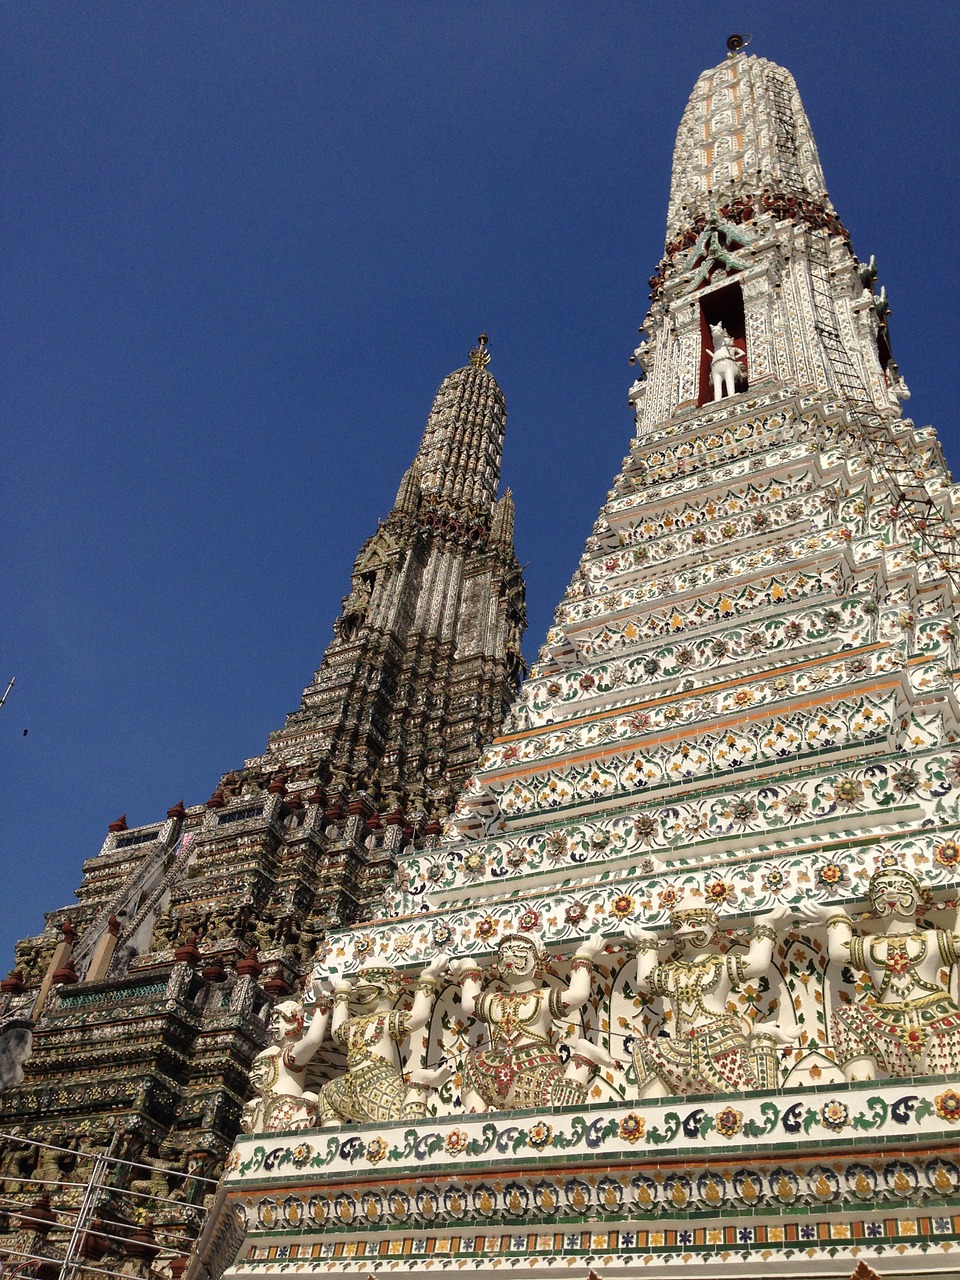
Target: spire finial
x,y
479,355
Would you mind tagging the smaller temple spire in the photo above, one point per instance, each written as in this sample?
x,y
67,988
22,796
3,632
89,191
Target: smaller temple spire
x,y
408,495
501,528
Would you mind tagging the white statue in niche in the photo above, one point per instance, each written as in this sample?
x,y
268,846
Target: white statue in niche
x,y
912,1027
277,1075
521,1066
726,365
710,1049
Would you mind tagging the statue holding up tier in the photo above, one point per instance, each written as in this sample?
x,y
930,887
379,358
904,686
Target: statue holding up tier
x,y
277,1075
913,1026
709,1049
368,1027
521,1066
726,365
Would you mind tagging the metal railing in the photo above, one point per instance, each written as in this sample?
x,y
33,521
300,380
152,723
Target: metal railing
x,y
38,1240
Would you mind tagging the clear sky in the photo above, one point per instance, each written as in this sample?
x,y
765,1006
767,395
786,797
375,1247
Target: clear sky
x,y
242,245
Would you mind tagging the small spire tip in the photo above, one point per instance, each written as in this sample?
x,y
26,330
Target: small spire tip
x,y
480,355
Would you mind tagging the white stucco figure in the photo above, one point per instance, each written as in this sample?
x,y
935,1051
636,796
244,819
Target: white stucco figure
x,y
709,1046
368,1027
910,1025
277,1075
521,1065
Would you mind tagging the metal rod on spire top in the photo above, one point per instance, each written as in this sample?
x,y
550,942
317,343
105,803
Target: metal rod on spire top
x,y
480,355
13,681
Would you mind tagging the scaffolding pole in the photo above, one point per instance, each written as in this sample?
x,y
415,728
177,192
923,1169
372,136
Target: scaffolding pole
x,y
91,1196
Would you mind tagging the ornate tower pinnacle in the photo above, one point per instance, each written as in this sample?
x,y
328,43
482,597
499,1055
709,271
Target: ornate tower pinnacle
x,y
426,655
758,285
462,447
744,132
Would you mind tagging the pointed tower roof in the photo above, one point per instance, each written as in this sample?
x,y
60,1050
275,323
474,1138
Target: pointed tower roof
x,y
744,131
408,495
501,531
460,454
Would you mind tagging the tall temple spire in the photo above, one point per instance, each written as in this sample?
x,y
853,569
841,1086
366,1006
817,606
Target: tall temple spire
x,y
740,737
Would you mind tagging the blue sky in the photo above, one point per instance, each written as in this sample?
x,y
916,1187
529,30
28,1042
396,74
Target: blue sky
x,y
242,245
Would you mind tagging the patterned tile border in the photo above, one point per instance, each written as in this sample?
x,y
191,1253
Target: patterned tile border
x,y
836,1116
657,1251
